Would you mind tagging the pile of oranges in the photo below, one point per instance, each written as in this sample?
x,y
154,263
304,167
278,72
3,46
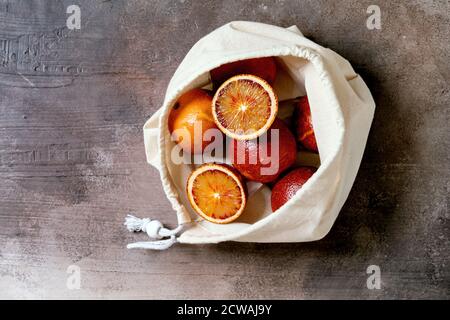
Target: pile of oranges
x,y
243,107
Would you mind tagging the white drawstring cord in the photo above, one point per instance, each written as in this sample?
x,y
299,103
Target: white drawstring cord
x,y
155,230
153,245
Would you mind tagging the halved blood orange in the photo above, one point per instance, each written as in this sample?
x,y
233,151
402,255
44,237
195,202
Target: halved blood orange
x,y
244,107
216,192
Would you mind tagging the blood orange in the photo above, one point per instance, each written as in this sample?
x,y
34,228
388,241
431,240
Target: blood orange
x,y
244,107
305,131
265,68
288,186
253,158
216,192
190,118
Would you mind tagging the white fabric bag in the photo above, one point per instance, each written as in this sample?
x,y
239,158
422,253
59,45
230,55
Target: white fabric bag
x,y
342,110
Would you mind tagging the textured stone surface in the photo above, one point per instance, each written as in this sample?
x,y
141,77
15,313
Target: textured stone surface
x,y
72,105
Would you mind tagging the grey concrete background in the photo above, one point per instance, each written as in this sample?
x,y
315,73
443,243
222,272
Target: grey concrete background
x,y
72,104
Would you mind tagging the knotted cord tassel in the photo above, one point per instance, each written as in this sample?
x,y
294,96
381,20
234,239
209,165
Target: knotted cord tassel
x,y
155,230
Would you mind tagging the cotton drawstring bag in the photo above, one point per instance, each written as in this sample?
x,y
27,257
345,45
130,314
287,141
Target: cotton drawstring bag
x,y
342,110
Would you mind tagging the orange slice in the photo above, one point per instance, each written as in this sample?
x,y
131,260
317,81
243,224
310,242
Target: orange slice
x,y
244,107
216,192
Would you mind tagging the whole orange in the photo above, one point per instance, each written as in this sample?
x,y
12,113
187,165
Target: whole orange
x,y
255,158
304,127
288,186
264,68
190,118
